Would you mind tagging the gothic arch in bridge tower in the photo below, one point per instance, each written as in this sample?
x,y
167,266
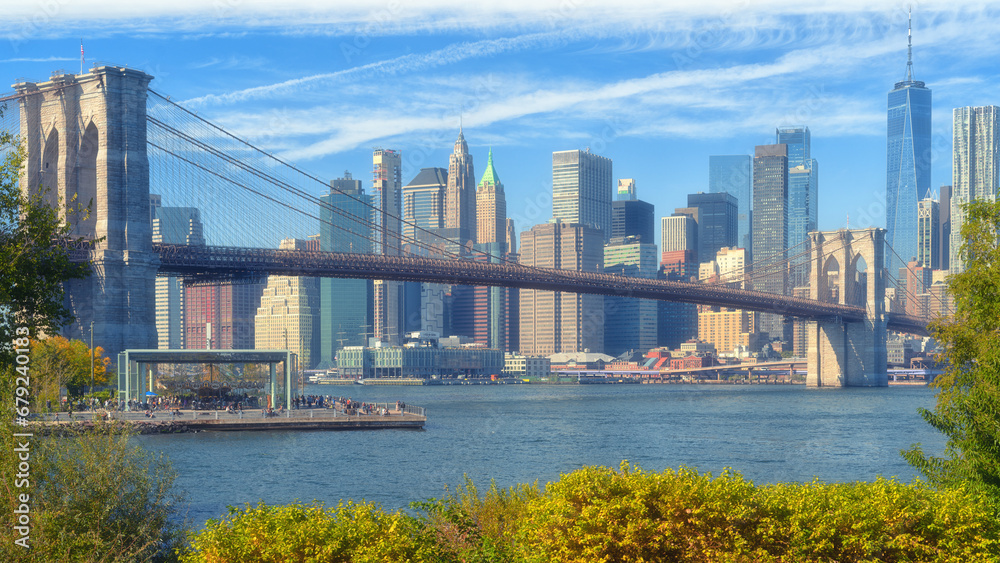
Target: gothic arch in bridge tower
x,y
848,354
86,193
85,142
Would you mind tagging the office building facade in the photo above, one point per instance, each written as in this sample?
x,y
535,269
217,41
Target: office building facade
x,y
553,322
629,323
732,174
288,315
975,167
631,217
388,322
944,230
581,189
803,198
928,233
173,225
770,226
423,205
346,305
717,222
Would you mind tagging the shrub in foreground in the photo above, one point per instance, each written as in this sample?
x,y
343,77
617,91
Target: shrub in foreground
x,y
351,532
598,514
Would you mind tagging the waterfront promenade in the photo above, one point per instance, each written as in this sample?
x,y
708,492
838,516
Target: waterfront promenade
x,y
382,416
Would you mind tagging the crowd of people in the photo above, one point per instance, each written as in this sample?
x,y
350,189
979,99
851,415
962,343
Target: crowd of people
x,y
233,404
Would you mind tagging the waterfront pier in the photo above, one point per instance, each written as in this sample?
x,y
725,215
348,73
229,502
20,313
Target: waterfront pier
x,y
384,417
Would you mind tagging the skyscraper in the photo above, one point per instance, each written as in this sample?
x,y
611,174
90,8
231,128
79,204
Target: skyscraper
x,y
770,226
731,174
173,225
944,216
490,303
220,315
581,189
718,222
928,233
559,321
346,305
389,312
803,197
975,167
423,204
629,323
460,197
679,244
630,216
908,155
491,207
288,315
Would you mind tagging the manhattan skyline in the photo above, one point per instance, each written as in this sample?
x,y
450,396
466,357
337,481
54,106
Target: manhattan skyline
x,y
656,89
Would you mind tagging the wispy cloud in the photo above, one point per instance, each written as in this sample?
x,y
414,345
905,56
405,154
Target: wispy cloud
x,y
408,63
38,59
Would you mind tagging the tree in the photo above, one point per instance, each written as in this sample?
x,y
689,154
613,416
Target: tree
x,y
968,399
32,269
57,362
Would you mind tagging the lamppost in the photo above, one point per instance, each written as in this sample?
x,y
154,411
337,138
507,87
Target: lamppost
x,y
91,362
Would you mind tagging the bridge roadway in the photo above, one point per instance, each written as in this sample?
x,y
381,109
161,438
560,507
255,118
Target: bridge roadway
x,y
214,262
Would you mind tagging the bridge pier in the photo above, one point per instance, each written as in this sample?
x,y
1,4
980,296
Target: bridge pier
x,y
85,140
848,354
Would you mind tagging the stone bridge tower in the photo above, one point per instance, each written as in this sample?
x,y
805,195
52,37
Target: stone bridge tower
x,y
85,141
846,268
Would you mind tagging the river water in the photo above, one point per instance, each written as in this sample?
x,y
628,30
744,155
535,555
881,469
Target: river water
x,y
523,433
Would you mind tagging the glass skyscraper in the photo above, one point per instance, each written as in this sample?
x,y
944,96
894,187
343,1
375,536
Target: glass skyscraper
x,y
718,223
908,169
770,226
803,197
345,304
731,174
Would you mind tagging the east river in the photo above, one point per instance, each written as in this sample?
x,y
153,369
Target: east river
x,y
523,433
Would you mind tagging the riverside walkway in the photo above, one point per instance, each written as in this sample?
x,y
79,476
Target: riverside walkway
x,y
383,416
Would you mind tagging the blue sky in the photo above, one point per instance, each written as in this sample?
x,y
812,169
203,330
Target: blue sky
x,y
657,87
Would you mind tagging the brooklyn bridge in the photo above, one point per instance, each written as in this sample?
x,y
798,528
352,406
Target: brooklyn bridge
x,y
105,137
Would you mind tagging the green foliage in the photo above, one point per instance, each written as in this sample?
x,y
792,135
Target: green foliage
x,y
601,515
31,268
597,514
474,529
968,400
57,362
94,496
352,532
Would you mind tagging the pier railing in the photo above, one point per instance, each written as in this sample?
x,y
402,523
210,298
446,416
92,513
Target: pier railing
x,y
180,416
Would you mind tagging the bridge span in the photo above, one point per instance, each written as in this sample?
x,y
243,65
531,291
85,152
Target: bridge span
x,y
215,262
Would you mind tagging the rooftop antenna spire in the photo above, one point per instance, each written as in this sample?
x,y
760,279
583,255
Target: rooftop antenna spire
x,y
909,46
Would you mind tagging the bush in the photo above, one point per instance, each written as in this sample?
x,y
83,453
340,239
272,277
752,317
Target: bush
x,y
474,529
352,532
597,514
94,497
